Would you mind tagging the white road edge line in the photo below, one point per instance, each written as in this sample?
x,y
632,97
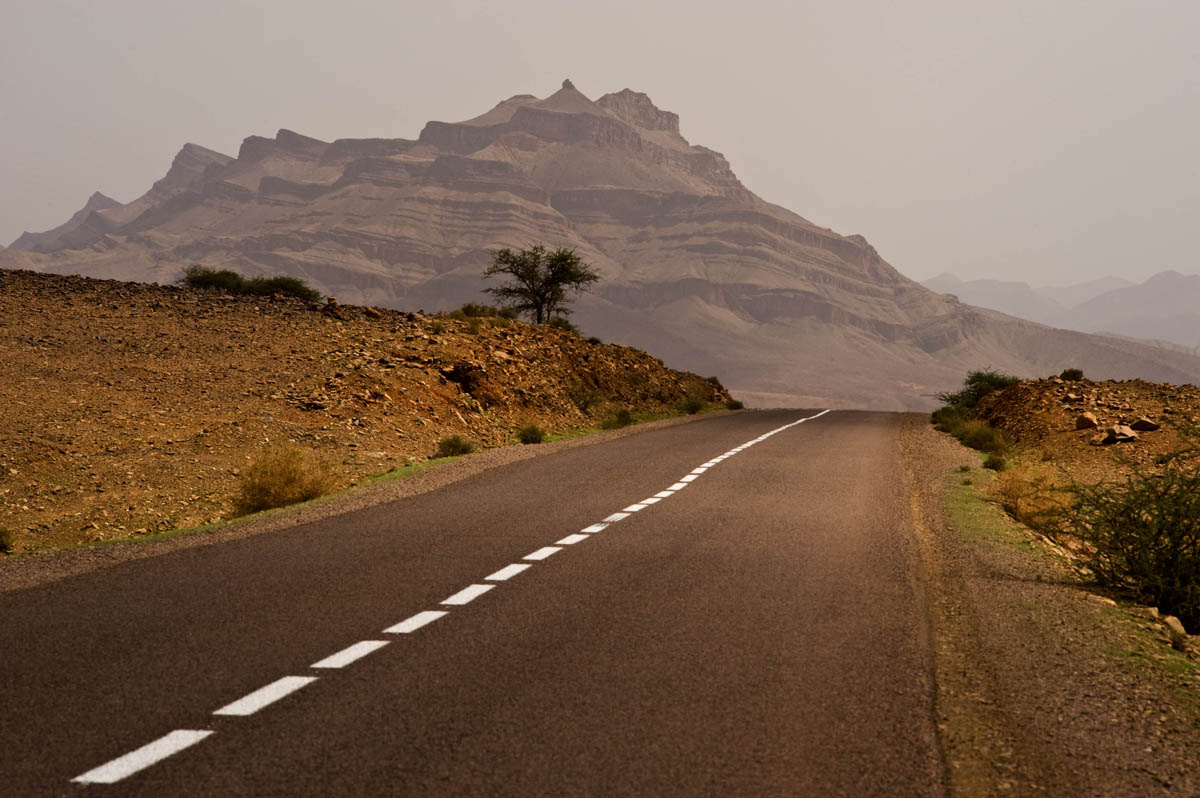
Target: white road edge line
x,y
467,595
508,572
651,500
678,486
615,517
542,553
594,528
664,494
689,478
571,540
633,508
410,625
350,654
249,704
144,757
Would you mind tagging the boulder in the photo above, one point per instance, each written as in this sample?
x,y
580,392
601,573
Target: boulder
x,y
1087,421
1144,424
1119,433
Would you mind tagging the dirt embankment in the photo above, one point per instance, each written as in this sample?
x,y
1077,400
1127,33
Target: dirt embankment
x,y
128,408
1045,415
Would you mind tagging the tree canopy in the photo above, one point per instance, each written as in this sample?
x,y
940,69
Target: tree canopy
x,y
541,282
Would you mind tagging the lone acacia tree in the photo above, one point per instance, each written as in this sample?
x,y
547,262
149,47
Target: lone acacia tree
x,y
542,281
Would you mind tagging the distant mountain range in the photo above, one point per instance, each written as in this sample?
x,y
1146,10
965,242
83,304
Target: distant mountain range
x,y
1166,307
695,268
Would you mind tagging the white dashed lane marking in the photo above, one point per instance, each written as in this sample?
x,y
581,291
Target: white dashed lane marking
x,y
542,553
467,595
248,705
142,758
350,654
176,741
508,572
410,625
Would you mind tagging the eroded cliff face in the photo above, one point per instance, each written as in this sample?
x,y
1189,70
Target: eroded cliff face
x,y
695,267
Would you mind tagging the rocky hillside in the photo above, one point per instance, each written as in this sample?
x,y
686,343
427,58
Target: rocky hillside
x,y
129,408
1095,430
696,268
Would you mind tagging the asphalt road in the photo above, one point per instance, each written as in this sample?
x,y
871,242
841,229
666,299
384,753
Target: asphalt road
x,y
757,631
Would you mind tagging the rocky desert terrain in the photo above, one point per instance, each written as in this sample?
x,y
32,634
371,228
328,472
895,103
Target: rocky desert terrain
x,y
695,267
130,408
1095,430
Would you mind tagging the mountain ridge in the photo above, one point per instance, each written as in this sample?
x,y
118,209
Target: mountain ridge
x,y
695,267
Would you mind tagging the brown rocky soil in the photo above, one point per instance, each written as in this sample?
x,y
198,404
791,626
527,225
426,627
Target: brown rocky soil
x,y
1042,415
128,409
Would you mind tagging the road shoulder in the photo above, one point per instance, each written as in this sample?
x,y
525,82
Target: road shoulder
x,y
41,568
1043,687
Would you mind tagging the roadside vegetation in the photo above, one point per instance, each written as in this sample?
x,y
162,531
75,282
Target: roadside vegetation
x,y
454,446
1137,535
956,417
281,475
230,282
531,433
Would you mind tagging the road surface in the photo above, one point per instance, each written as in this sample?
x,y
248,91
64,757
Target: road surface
x,y
755,628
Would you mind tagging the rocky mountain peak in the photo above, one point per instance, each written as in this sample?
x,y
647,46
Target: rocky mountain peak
x,y
637,109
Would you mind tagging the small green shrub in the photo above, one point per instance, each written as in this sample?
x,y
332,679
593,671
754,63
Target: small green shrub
x,y
437,327
454,446
995,462
692,405
457,315
8,540
282,475
734,404
977,385
473,325
948,419
1073,375
477,309
1144,535
616,420
285,286
563,323
978,435
230,282
594,341
531,433
200,277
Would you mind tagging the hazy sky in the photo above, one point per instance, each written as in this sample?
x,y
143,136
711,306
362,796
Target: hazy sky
x,y
1043,140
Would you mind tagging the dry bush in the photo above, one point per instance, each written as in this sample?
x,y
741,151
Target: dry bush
x,y
281,475
1033,494
454,446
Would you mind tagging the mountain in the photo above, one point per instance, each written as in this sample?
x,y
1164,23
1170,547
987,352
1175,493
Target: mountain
x,y
55,239
1014,298
695,268
1162,309
1165,307
1076,294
